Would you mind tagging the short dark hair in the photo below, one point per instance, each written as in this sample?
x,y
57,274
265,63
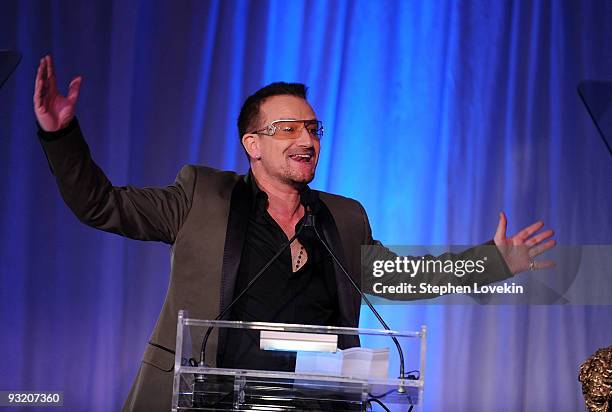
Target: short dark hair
x,y
249,114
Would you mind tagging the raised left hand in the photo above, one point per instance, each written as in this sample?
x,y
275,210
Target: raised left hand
x,y
53,110
520,250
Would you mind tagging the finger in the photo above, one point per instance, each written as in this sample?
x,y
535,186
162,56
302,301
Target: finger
x,y
500,233
42,85
39,71
50,68
38,83
52,82
544,264
539,237
43,73
37,94
43,65
529,230
73,89
539,249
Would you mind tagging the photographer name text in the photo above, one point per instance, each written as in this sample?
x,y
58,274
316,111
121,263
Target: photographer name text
x,y
424,288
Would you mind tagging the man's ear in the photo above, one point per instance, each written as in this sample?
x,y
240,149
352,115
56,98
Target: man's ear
x,y
250,142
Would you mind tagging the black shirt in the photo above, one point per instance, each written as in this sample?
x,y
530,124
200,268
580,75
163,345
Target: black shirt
x,y
308,296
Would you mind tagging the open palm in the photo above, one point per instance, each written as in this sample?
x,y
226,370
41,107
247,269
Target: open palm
x,y
53,111
520,250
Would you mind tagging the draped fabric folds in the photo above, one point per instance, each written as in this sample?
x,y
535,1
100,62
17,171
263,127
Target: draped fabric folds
x,y
437,115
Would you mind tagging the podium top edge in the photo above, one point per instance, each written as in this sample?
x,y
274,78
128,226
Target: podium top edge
x,y
291,327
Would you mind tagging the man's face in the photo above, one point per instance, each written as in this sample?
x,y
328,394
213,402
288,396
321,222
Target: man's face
x,y
290,161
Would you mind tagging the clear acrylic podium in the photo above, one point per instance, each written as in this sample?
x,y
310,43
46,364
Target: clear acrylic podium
x,y
204,388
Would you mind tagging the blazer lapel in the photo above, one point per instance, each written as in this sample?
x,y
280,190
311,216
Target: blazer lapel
x,y
348,298
237,223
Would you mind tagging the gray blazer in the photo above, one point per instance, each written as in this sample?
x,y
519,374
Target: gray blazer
x,y
203,215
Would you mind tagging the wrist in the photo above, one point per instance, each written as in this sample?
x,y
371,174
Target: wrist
x,y
57,134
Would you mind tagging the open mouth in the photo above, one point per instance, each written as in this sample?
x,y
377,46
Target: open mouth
x,y
303,158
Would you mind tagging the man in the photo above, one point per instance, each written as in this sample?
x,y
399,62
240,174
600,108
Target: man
x,y
223,227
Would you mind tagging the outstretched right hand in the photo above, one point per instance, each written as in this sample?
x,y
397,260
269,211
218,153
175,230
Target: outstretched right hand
x,y
53,111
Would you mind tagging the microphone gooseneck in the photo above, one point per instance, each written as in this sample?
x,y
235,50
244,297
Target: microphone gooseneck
x,y
367,301
311,203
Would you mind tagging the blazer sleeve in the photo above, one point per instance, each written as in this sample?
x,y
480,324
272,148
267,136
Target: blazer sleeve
x,y
137,213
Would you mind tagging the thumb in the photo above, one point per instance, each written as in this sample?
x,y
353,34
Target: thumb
x,y
73,89
500,233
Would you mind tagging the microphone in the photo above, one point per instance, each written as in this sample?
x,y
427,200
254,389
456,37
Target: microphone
x,y
311,202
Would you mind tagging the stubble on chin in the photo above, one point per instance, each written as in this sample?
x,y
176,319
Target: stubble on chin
x,y
296,178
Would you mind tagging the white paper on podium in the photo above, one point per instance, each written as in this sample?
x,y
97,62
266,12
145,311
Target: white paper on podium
x,y
353,362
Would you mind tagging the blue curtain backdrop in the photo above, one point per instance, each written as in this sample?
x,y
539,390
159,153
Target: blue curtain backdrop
x,y
438,115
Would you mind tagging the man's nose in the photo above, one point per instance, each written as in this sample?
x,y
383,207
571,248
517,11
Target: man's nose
x,y
304,138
